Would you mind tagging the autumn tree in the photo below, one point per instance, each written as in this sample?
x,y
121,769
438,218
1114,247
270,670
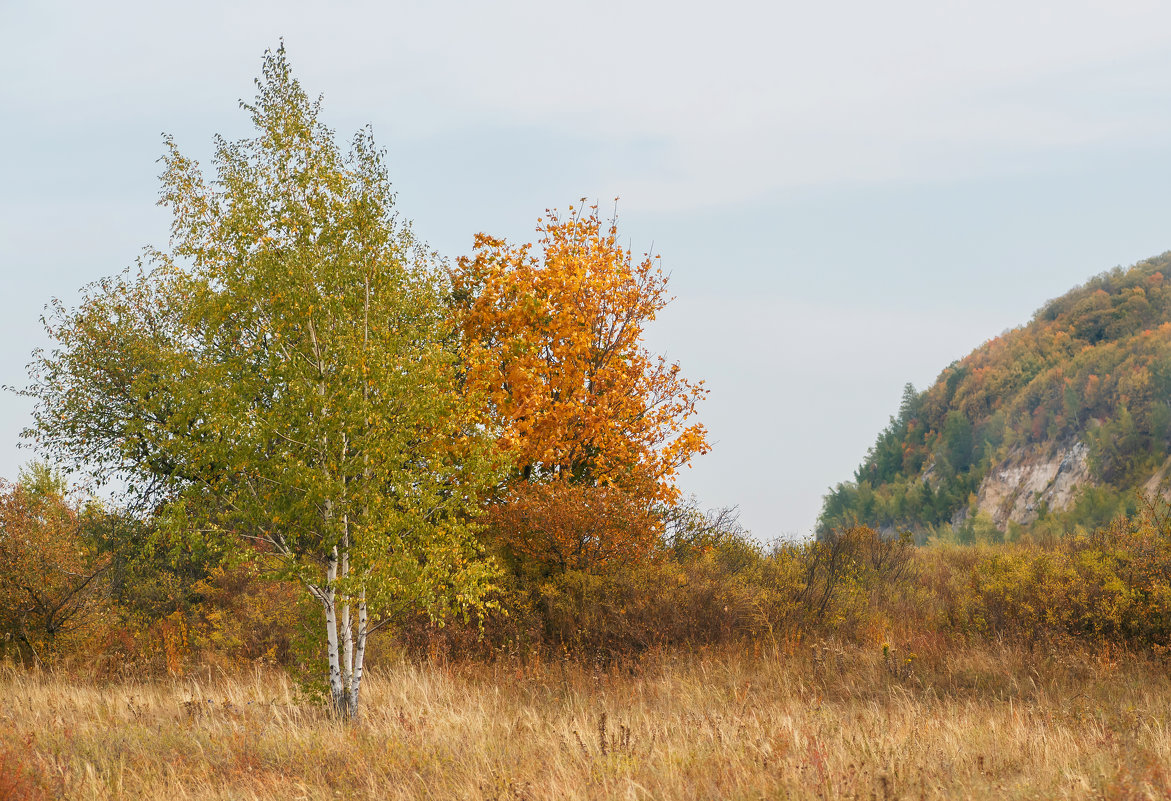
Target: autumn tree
x,y
49,573
281,381
553,339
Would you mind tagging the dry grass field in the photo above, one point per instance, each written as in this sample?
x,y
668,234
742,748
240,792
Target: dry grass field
x,y
821,721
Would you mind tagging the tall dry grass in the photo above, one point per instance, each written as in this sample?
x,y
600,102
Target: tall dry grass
x,y
830,720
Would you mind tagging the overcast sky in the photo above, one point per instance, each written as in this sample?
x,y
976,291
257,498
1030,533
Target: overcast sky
x,y
849,195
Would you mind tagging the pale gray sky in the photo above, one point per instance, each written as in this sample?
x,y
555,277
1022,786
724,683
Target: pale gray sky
x,y
849,195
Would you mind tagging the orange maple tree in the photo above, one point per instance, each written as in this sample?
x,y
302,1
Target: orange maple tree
x,y
553,340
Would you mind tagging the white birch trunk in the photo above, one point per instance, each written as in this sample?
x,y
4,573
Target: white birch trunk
x,y
359,656
337,682
347,630
355,657
337,690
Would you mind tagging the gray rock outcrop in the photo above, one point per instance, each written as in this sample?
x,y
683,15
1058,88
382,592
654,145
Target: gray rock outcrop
x,y
1016,489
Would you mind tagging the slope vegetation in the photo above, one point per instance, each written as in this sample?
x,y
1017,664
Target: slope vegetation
x,y
1062,422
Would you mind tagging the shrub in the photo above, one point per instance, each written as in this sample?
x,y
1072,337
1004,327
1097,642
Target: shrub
x,y
1111,585
559,526
49,575
716,588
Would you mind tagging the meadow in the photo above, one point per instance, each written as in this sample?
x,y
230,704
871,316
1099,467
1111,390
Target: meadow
x,y
825,719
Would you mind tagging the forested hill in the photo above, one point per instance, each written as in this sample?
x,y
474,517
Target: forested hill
x,y
1058,423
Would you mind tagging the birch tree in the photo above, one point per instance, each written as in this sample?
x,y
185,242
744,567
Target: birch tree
x,y
283,377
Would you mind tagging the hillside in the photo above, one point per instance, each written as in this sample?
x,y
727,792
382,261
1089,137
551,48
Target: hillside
x,y
1058,423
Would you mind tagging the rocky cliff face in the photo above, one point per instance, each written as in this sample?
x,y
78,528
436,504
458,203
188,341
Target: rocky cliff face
x,y
1160,482
1016,489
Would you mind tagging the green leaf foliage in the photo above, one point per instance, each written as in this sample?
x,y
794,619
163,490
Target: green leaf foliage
x,y
281,380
